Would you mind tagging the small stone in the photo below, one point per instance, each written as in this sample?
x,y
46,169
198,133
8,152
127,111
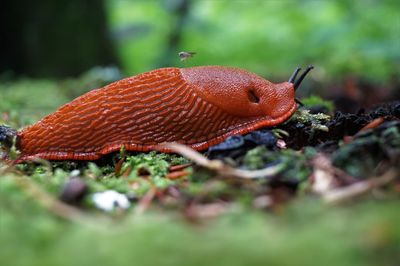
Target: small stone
x,y
74,173
74,191
232,142
266,138
110,200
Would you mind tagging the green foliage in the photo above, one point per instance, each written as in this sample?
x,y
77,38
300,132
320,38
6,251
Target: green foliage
x,y
315,100
267,37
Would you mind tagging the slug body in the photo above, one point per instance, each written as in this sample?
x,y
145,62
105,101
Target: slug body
x,y
199,107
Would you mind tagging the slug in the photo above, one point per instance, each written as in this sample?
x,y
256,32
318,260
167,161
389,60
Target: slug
x,y
198,106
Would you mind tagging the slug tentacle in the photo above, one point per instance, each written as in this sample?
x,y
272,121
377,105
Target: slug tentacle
x,y
294,75
298,82
199,107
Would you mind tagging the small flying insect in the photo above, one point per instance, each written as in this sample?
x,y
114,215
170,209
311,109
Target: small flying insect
x,y
186,55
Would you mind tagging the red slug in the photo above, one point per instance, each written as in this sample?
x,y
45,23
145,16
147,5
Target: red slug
x,y
198,106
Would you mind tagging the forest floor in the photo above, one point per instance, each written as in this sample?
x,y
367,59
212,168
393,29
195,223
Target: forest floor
x,y
321,189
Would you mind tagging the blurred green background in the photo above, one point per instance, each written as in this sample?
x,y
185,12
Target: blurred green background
x,y
67,37
267,37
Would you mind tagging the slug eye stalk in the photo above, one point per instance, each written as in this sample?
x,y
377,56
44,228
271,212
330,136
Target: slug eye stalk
x,y
294,75
298,102
298,82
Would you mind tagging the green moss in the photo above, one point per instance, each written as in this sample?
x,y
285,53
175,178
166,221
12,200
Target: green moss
x,y
156,164
304,116
315,100
368,234
295,163
377,144
315,120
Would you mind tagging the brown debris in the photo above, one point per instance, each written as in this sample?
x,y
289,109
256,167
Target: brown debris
x,y
374,123
179,167
197,212
145,201
325,176
118,166
340,195
177,174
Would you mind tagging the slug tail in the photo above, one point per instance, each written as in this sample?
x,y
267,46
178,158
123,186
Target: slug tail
x,y
7,135
8,138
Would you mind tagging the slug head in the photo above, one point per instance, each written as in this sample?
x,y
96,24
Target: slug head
x,y
241,93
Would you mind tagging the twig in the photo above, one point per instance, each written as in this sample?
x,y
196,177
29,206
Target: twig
x,y
193,155
177,174
340,195
49,202
179,167
221,168
145,202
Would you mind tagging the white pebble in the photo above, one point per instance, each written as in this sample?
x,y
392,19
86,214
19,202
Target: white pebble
x,y
74,173
110,200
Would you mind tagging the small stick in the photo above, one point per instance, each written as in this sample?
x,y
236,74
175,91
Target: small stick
x,y
179,167
145,202
177,174
340,195
373,124
49,202
221,168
